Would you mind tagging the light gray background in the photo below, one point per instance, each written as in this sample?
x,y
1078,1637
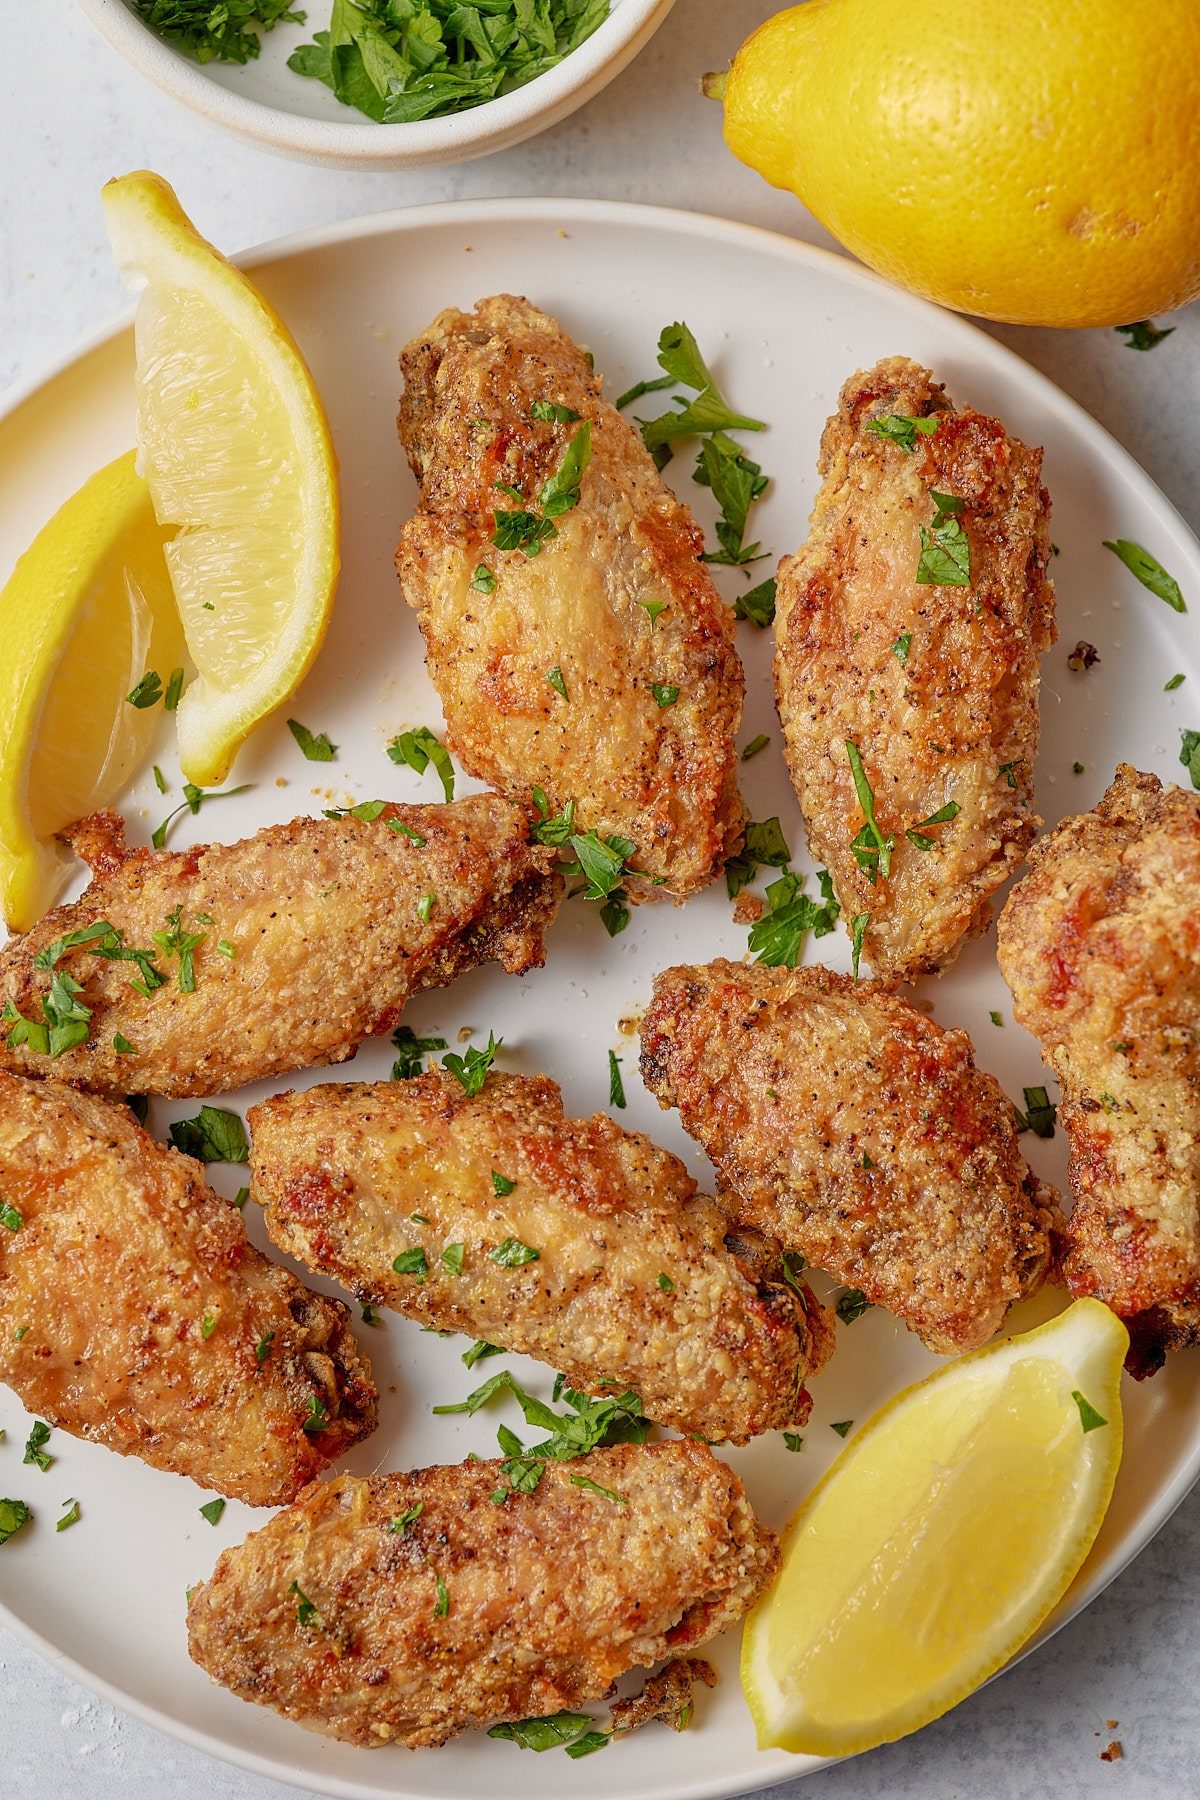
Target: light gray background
x,y
74,115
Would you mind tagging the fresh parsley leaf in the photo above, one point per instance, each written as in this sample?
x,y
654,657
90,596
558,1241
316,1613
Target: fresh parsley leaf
x,y
35,1451
899,429
1040,1113
852,1305
174,691
872,851
306,1613
858,931
212,1510
10,1218
555,830
418,749
213,1136
737,483
412,1262
483,581
73,1514
314,749
666,1284
901,646
616,1087
193,799
263,1347
148,691
411,1051
1175,682
996,1019
513,1254
472,1071
215,30
1009,772
561,492
708,412
679,354
777,938
554,1732
755,745
501,1184
553,412
614,913
664,695
643,387
400,1524
793,1440
916,834
1149,571
1189,756
1143,334
452,1258
591,1740
602,862
842,1427
442,1608
481,1349
757,604
593,1487
652,608
1089,1418
555,677
945,559
14,1516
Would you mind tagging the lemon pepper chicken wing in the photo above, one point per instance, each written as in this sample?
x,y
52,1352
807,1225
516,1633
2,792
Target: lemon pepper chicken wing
x,y
408,1608
135,1312
570,1240
847,1125
328,925
935,685
602,668
1100,945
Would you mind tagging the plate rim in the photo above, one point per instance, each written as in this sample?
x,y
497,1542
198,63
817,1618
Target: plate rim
x,y
778,1766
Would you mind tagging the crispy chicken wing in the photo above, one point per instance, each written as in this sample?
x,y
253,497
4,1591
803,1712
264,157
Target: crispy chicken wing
x,y
134,1310
411,1607
325,937
602,668
935,685
616,1269
1100,945
848,1125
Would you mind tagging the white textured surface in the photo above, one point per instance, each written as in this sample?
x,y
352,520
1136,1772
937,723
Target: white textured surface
x,y
78,116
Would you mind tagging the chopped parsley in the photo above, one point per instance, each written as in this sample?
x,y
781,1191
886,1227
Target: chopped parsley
x,y
1175,682
679,355
643,387
755,745
666,1284
72,1515
412,1262
14,1516
593,1487
1143,334
402,1521
208,1325
614,913
148,691
174,691
442,1608
213,1136
556,830
842,1427
1009,772
209,31
452,1258
371,1314
418,749
317,1416
193,799
483,581
901,646
35,1451
945,559
263,1348
1089,1418
501,1184
212,1510
1189,756
10,1218
778,937
853,1303
871,850
555,677
553,412
664,696
472,1070
425,906
1040,1113
175,941
916,834
1148,570
240,1198
996,1019
306,1613
616,1087
411,1050
764,844
1077,768
527,530
314,748
858,931
513,1254
793,1440
652,608
736,483
757,604
899,429
558,1731
480,1350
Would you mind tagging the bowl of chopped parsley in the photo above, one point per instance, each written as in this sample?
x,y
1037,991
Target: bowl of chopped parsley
x,y
379,84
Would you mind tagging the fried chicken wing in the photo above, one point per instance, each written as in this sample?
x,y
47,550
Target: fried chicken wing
x,y
596,662
135,1312
850,1127
1100,945
935,685
570,1240
408,1608
231,962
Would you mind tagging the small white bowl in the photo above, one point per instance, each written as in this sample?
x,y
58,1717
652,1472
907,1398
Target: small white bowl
x,y
294,115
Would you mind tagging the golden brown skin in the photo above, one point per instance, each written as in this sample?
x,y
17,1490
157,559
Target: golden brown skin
x,y
550,1597
347,1172
850,1127
1100,945
957,719
322,915
122,1254
661,776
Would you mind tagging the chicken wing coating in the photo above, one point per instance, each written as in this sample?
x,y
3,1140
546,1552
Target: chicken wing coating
x,y
850,1127
135,1312
594,660
908,632
1100,945
231,962
408,1608
568,1239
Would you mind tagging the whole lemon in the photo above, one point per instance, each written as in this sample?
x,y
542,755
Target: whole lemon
x,y
1029,160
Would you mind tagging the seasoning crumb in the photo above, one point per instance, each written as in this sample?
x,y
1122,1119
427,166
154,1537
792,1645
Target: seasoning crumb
x,y
747,909
627,1027
1084,656
1114,1753
464,1033
281,781
1111,1724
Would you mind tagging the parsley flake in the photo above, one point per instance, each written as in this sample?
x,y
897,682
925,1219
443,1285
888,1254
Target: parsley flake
x,y
899,429
757,604
871,850
14,1516
852,1305
306,1613
472,1071
616,1087
842,1427
501,1184
313,748
442,1608
35,1451
793,1440
72,1515
1089,1418
755,745
666,1284
858,931
213,1136
555,677
664,696
513,1254
452,1258
553,412
412,1262
418,749
1040,1113
1148,570
193,799
148,691
1189,756
411,1050
212,1510
483,581
1143,334
10,1218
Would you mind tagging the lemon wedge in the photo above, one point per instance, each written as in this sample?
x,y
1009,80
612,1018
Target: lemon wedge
x,y
87,611
235,445
940,1539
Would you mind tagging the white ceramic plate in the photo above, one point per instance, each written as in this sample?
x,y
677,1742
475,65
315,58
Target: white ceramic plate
x,y
266,103
782,326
